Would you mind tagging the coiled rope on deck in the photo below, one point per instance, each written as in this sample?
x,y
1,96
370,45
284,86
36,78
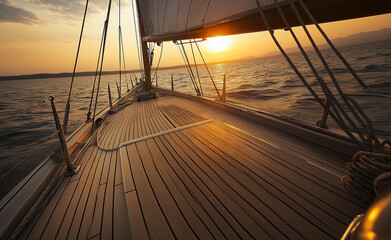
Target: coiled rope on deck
x,y
368,174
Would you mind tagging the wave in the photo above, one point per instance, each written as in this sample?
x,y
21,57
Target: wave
x,y
363,58
246,86
335,70
383,54
363,96
256,94
382,85
376,68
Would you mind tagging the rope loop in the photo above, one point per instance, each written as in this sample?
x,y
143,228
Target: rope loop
x,y
368,174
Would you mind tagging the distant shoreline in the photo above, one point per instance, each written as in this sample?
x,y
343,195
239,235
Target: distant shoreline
x,y
90,73
352,40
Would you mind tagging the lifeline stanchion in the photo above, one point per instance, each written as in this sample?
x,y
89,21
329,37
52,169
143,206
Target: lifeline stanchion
x,y
63,142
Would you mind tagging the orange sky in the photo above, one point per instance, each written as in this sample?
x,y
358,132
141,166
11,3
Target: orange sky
x,y
44,39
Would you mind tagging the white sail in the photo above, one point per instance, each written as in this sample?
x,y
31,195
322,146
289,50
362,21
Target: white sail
x,y
165,20
162,17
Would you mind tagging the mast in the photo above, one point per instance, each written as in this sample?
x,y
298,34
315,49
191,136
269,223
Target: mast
x,y
144,48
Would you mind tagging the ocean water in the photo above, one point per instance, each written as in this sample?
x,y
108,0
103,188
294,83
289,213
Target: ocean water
x,y
268,84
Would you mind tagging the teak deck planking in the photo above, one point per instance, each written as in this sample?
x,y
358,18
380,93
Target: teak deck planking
x,y
213,180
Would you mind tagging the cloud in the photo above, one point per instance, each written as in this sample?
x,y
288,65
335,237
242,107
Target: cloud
x,y
10,13
72,8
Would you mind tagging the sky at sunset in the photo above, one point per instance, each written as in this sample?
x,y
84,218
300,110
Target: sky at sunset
x,y
41,36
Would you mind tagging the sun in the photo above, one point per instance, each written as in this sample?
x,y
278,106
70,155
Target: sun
x,y
218,44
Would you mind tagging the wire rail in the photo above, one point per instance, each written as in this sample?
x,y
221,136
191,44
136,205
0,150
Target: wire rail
x,y
37,147
28,155
24,110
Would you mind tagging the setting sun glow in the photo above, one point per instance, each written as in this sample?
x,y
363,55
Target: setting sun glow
x,y
218,44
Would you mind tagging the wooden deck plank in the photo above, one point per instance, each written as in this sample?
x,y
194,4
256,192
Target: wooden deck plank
x,y
72,191
54,223
139,130
91,151
169,206
106,168
137,224
80,228
275,208
95,227
120,128
141,119
332,184
226,203
196,216
251,212
304,169
292,144
107,220
121,223
154,218
107,132
132,123
126,171
113,131
36,227
196,190
288,189
162,122
77,204
127,124
118,173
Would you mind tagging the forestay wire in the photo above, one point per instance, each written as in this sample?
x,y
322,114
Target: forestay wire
x,y
101,62
96,73
68,106
121,51
207,69
195,65
188,67
375,159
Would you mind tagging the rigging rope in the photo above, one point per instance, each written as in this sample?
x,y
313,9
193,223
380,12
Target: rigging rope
x,y
96,73
365,122
123,57
139,55
302,79
195,63
119,48
68,106
323,85
101,63
332,45
369,172
206,66
157,67
189,69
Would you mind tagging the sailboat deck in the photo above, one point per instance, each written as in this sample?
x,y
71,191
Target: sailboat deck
x,y
179,175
